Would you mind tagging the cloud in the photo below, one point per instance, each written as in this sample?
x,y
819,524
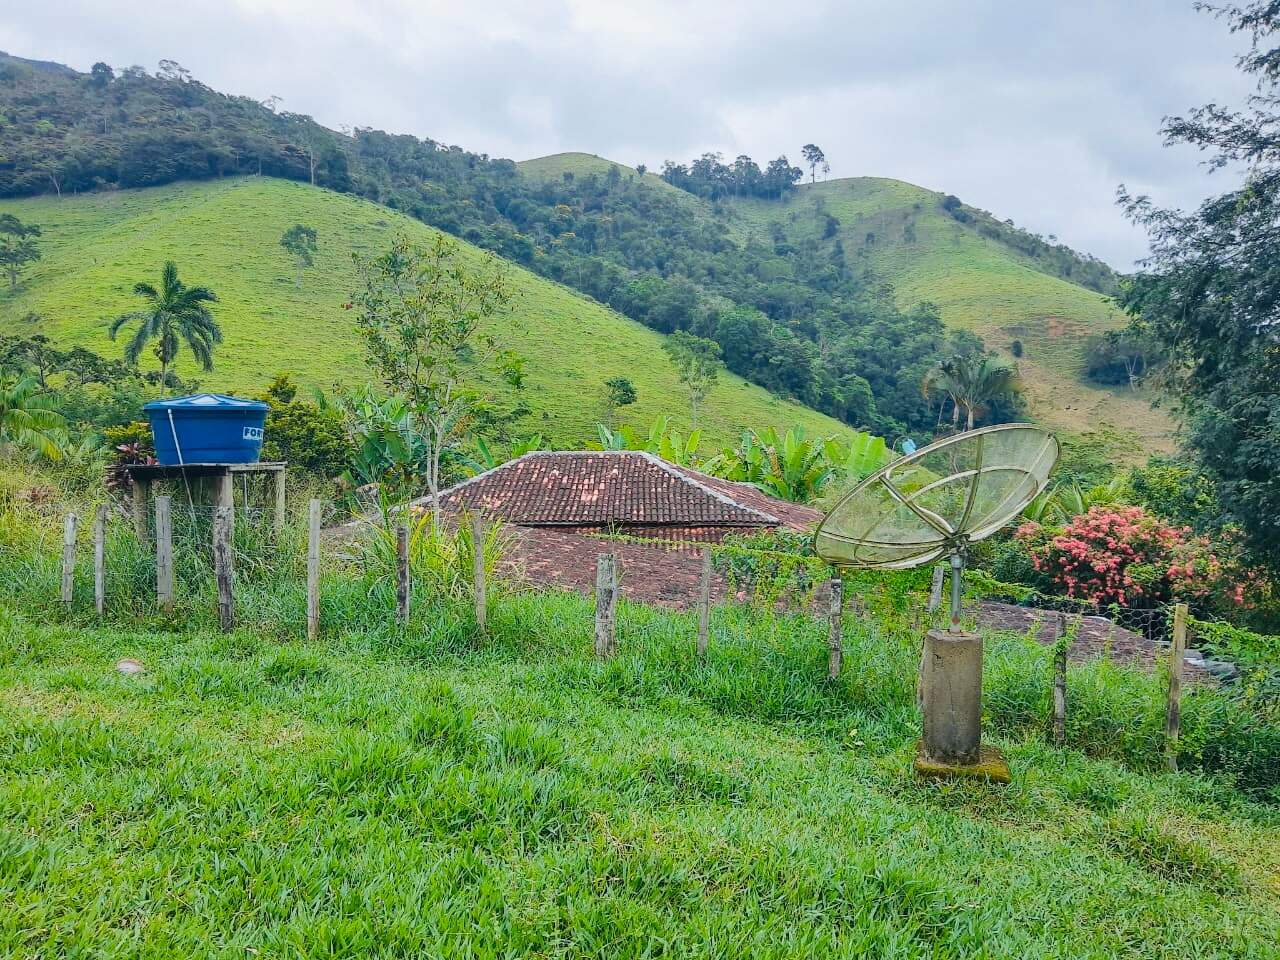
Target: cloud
x,y
1034,110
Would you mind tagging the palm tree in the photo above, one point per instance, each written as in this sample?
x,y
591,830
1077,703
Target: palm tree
x,y
175,314
972,381
27,417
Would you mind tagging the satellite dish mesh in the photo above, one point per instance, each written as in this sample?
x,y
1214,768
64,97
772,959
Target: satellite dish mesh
x,y
923,507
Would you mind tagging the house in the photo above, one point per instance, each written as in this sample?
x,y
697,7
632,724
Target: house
x,y
627,492
561,505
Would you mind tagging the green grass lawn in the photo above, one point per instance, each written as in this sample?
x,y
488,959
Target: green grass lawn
x,y
440,795
435,792
226,234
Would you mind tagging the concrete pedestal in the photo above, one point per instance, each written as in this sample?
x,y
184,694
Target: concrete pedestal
x,y
951,693
951,697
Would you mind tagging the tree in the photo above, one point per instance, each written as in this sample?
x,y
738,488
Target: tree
x,y
618,392
698,362
310,437
972,382
815,158
422,310
100,74
18,246
300,242
27,417
780,177
1207,294
175,314
1119,356
173,71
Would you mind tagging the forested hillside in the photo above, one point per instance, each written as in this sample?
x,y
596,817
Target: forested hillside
x,y
825,333
815,315
1023,296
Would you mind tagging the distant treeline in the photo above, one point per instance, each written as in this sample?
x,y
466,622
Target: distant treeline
x,y
792,314
710,177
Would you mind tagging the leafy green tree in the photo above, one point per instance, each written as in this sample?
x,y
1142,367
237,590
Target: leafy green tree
x,y
422,314
300,242
100,75
815,158
18,246
618,392
175,314
1208,293
1119,357
308,436
27,417
698,362
972,382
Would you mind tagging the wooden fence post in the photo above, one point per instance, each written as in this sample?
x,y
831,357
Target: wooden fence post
x,y
835,655
606,605
704,604
402,573
935,588
164,553
69,528
224,487
477,569
313,569
100,560
140,491
223,524
1173,712
278,520
1060,684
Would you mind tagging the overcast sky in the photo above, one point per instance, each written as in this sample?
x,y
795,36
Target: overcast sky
x,y
1032,109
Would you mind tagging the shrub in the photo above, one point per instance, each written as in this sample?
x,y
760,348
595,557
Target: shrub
x,y
309,438
1174,492
1126,556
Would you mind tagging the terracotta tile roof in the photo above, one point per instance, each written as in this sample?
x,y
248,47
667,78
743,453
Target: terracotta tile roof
x,y
614,487
794,515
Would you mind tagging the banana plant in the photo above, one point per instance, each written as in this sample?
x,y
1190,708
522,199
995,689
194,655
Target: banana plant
x,y
1067,499
662,440
789,466
486,459
861,456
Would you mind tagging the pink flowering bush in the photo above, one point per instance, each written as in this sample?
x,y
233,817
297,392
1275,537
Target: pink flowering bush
x,y
1124,555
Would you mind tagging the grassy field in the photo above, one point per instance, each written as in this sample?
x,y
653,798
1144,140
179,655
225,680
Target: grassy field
x,y
437,795
433,792
979,284
226,234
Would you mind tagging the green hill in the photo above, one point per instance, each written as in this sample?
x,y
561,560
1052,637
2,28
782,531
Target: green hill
x,y
979,282
977,270
556,165
225,234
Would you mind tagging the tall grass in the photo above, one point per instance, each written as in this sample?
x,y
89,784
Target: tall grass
x,y
766,663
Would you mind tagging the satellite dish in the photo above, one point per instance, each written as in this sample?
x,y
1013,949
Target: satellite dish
x,y
935,502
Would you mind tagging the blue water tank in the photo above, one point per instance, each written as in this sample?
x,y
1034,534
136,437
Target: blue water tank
x,y
207,428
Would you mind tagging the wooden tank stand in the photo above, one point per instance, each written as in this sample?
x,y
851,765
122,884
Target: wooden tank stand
x,y
222,476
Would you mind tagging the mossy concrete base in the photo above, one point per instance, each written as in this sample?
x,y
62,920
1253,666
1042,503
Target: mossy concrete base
x,y
991,766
